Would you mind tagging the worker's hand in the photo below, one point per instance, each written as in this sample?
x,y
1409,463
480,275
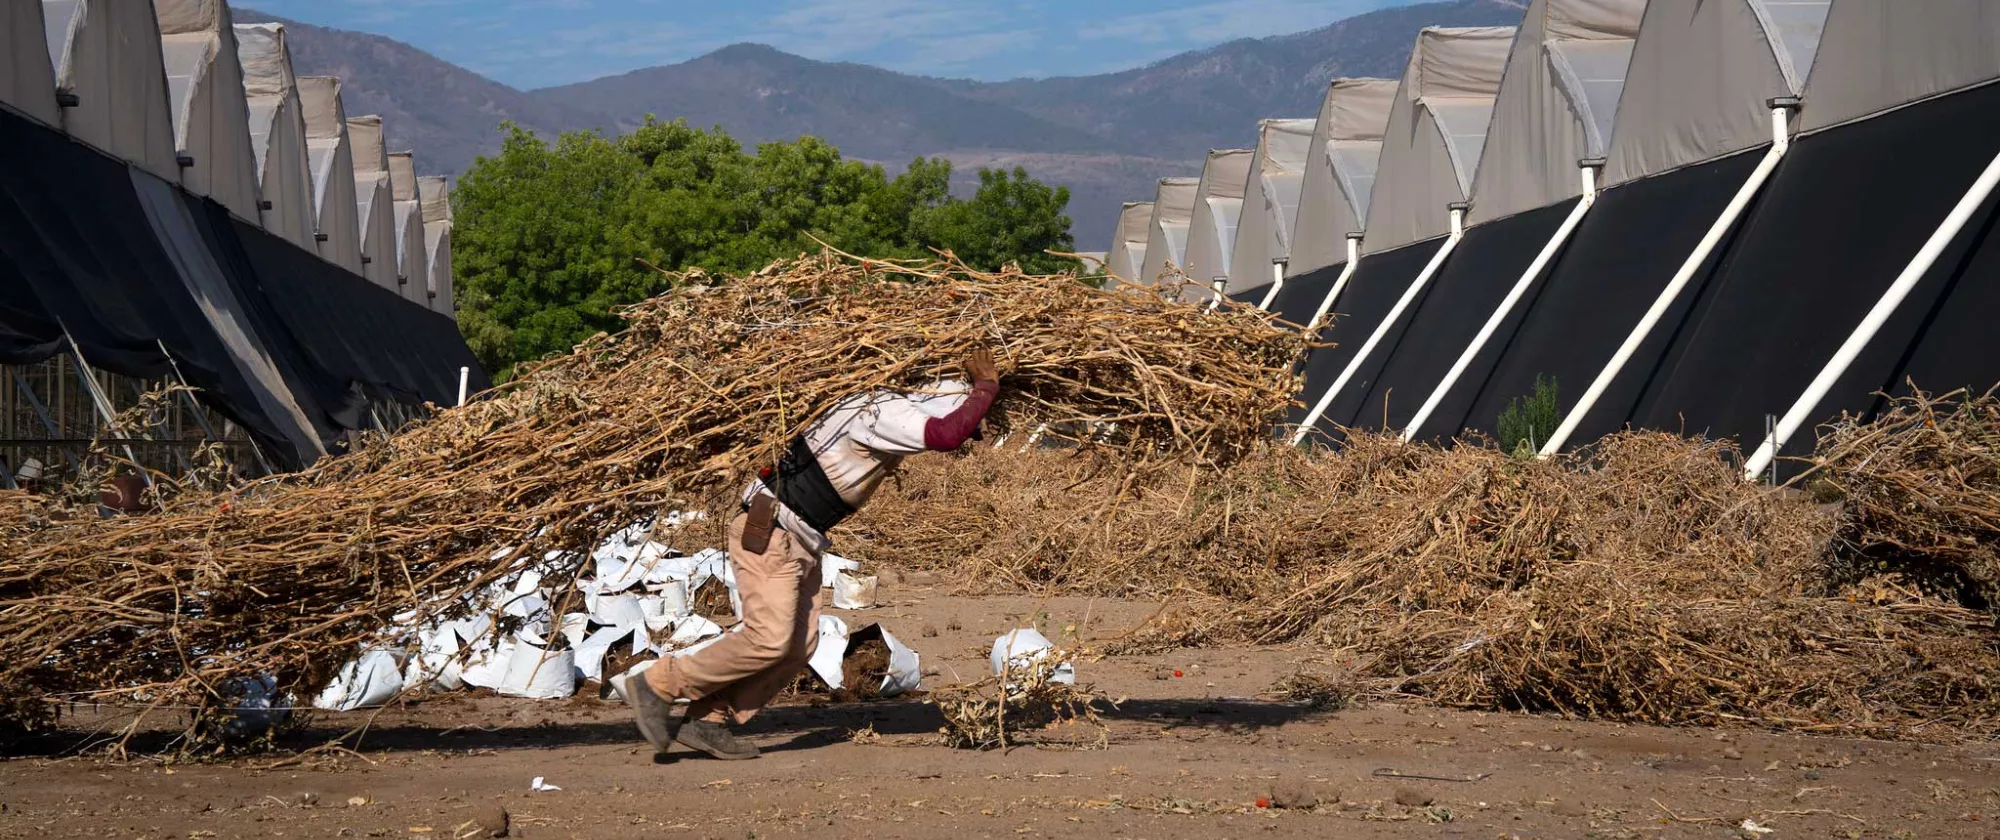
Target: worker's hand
x,y
980,367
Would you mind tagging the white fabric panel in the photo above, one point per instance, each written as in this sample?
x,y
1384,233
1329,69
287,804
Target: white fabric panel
x,y
380,237
412,260
1794,28
27,77
1591,76
1218,205
1557,102
107,52
1616,20
1347,140
336,211
1435,133
434,193
1880,54
211,116
1463,121
1458,61
403,175
1127,256
412,263
437,246
375,197
181,237
1166,231
370,155
1271,203
325,117
1701,77
277,133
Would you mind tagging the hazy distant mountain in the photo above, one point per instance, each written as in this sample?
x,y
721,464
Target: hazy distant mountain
x,y
1107,137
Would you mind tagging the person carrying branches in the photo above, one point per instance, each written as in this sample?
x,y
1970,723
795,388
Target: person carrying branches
x,y
775,544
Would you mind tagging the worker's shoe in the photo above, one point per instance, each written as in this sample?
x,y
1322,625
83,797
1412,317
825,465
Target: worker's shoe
x,y
659,721
716,740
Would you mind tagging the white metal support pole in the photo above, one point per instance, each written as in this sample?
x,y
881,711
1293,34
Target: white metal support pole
x,y
464,375
1781,141
1339,283
1277,282
1588,172
1802,411
1395,313
1215,288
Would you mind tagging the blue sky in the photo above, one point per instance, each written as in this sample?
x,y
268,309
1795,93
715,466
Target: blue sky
x,y
538,43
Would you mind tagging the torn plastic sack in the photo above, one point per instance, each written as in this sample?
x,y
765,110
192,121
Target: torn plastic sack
x,y
836,643
1020,648
368,681
853,592
831,565
590,655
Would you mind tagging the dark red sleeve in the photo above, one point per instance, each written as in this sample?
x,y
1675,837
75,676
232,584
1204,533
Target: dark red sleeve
x,y
948,433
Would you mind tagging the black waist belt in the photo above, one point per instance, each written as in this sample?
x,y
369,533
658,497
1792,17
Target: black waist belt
x,y
801,483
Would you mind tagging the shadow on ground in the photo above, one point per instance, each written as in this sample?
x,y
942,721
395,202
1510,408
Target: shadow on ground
x,y
810,725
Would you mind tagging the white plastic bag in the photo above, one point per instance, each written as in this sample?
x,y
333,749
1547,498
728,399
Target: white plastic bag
x,y
536,672
829,650
853,592
831,565
368,681
905,669
1021,648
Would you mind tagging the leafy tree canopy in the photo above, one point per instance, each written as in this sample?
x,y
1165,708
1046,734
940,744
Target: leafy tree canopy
x,y
550,238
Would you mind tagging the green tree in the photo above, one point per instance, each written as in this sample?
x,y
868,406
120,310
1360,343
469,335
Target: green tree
x,y
550,237
1012,218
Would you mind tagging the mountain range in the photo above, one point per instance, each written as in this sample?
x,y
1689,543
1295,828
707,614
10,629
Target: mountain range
x,y
1107,137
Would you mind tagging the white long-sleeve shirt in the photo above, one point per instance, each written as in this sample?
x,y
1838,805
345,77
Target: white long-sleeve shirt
x,y
861,440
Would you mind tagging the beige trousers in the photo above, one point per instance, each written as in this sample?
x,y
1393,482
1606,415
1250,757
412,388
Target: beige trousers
x,y
731,680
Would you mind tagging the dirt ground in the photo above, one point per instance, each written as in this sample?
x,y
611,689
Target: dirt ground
x,y
1188,756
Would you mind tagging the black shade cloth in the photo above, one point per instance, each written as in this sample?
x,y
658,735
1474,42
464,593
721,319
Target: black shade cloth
x,y
72,226
1843,216
1379,281
357,331
1441,323
129,266
1296,302
1251,297
1576,316
28,334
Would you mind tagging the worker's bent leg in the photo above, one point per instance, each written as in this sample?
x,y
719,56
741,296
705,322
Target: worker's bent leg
x,y
742,700
767,584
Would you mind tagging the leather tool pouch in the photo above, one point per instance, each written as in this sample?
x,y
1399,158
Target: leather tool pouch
x,y
759,522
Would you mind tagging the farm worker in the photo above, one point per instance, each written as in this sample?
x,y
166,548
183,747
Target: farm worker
x,y
775,544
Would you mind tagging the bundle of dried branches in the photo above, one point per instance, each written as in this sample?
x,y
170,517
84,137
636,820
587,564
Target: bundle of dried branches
x,y
291,577
1026,698
1642,580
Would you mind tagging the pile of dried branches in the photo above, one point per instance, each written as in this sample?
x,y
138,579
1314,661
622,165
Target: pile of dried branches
x,y
291,577
1641,580
1919,490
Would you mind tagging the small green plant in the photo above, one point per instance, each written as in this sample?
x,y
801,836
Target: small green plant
x,y
1528,420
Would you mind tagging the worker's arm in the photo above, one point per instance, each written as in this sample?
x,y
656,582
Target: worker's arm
x,y
948,433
